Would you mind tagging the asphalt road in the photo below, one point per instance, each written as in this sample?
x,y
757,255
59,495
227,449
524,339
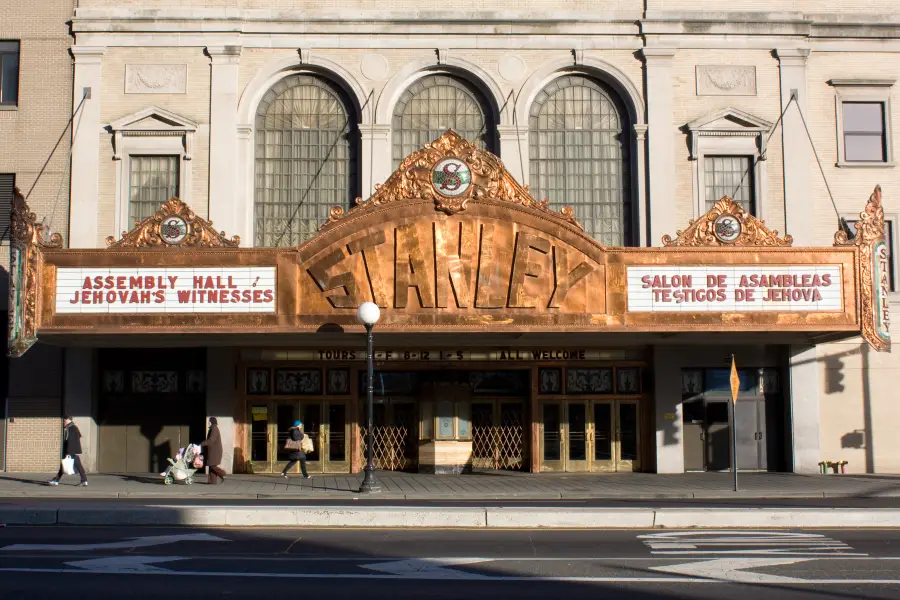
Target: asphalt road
x,y
60,562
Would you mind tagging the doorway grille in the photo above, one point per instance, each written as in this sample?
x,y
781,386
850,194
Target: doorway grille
x,y
391,443
498,446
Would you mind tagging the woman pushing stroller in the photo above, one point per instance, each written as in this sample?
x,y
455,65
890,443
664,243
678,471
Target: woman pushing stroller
x,y
299,444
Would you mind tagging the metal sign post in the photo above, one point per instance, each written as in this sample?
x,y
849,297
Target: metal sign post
x,y
735,386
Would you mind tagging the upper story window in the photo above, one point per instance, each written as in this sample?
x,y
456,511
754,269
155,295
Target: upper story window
x,y
729,176
863,116
9,74
153,181
864,133
306,159
580,156
434,104
728,154
7,186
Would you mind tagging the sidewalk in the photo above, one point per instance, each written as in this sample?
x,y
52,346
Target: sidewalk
x,y
491,485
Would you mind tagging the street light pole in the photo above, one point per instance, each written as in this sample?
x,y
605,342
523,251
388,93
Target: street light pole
x,y
368,315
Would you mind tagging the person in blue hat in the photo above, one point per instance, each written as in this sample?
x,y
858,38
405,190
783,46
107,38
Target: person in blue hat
x,y
295,438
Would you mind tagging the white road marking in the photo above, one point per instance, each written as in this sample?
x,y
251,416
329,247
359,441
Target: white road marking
x,y
140,542
730,569
433,576
773,543
125,564
413,567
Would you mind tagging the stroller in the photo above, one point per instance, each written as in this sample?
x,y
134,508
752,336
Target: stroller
x,y
183,467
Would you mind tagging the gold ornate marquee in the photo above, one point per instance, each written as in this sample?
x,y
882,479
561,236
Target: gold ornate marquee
x,y
741,229
27,238
415,179
869,238
440,253
174,225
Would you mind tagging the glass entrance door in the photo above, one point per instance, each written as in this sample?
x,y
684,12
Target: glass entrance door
x,y
603,436
336,435
285,415
616,435
576,435
260,438
628,436
552,437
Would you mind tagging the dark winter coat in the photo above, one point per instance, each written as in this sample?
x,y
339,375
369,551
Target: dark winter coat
x,y
71,441
213,445
297,436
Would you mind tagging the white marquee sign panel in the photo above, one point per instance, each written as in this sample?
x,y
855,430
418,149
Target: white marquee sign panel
x,y
738,288
165,290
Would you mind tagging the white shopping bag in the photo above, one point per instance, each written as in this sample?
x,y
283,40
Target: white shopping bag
x,y
68,465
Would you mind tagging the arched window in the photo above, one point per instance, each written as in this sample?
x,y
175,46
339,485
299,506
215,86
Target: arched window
x,y
579,156
306,159
434,104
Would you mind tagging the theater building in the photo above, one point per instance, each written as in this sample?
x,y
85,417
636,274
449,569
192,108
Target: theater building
x,y
571,221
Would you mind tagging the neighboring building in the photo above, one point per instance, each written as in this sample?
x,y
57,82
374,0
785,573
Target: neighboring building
x,y
35,106
261,116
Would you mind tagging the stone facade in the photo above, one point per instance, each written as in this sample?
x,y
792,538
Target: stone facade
x,y
29,130
723,72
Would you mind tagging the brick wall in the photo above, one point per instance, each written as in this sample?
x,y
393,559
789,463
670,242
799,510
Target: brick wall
x,y
30,131
34,434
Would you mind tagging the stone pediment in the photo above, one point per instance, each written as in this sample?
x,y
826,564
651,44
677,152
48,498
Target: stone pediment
x,y
154,121
153,118
729,119
728,122
174,225
451,172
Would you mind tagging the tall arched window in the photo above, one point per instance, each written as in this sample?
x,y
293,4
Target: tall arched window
x,y
579,156
306,159
434,104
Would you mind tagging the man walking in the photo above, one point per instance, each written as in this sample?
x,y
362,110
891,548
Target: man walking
x,y
213,445
71,447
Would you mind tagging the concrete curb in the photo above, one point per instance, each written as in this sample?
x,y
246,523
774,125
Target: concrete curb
x,y
454,517
316,494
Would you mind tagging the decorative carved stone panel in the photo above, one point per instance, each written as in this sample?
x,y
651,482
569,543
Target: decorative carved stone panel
x,y
589,381
726,80
298,382
155,79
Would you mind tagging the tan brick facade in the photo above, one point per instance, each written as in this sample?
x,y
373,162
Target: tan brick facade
x,y
29,132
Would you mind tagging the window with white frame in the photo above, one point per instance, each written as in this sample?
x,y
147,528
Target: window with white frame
x,y
152,182
863,119
728,152
729,176
864,134
434,104
306,159
579,150
9,74
152,150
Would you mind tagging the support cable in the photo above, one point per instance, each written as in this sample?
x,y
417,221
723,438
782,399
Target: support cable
x,y
50,157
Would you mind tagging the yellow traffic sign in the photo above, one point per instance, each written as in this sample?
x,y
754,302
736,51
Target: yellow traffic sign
x,y
735,381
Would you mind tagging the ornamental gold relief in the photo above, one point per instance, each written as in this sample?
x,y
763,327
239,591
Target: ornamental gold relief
x,y
727,224
449,172
174,225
